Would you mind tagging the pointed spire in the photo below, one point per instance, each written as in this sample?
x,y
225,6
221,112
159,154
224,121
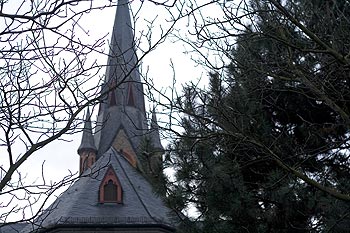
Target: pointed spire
x,y
154,132
122,67
122,55
87,140
122,73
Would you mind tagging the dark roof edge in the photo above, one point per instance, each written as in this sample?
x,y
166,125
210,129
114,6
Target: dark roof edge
x,y
108,225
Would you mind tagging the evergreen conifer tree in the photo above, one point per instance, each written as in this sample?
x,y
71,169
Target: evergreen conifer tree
x,y
265,148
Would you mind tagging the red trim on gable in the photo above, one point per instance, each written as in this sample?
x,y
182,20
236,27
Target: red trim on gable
x,y
131,159
111,176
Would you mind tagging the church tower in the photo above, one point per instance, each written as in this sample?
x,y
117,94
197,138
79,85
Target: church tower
x,y
121,120
112,193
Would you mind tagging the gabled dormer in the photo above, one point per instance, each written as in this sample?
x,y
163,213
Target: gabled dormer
x,y
110,190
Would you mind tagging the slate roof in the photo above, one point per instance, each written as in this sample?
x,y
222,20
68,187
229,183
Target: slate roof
x,y
80,205
13,228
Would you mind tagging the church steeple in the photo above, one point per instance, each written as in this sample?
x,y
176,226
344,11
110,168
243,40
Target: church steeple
x,y
112,195
87,140
122,112
87,149
122,65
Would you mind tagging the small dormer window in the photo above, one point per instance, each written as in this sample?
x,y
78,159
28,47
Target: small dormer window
x,y
110,192
110,188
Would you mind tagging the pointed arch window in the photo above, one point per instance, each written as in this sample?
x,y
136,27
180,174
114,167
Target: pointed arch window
x,y
110,192
111,96
84,164
87,159
110,188
131,100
